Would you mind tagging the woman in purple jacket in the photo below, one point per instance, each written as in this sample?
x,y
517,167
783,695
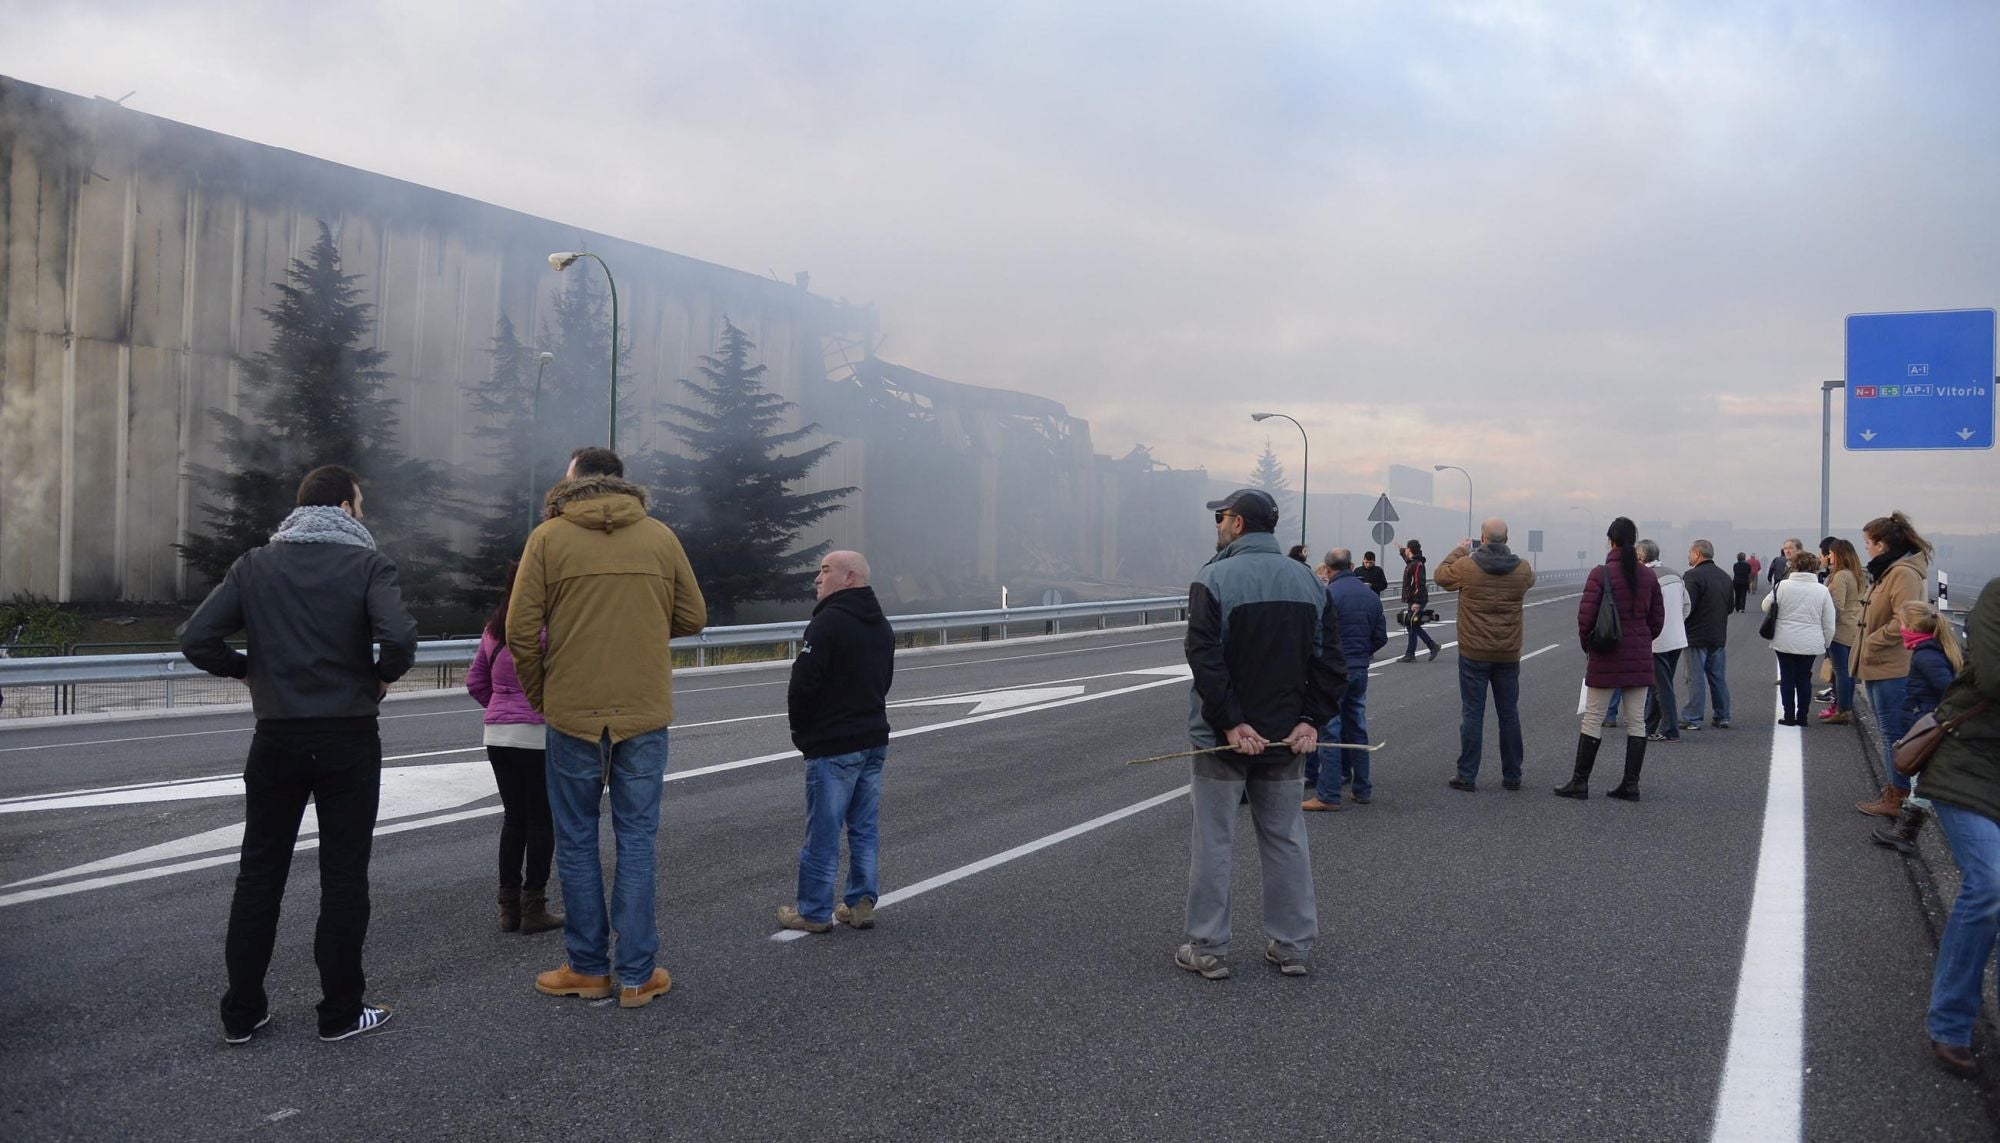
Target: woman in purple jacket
x,y
515,740
1621,581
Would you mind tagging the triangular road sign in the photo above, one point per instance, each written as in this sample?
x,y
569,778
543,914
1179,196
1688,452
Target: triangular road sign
x,y
1383,510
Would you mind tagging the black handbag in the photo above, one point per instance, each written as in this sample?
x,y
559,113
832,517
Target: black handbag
x,y
1605,631
1769,628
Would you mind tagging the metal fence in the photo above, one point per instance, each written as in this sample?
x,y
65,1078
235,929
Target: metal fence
x,y
95,678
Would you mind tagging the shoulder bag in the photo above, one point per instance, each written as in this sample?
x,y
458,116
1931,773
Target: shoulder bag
x,y
1912,752
1769,628
1605,631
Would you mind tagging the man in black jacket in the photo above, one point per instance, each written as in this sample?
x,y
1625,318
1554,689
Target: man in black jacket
x,y
1740,580
1712,595
313,602
1263,644
838,703
1371,573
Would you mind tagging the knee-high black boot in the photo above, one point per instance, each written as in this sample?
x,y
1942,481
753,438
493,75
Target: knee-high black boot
x,y
1586,757
1635,757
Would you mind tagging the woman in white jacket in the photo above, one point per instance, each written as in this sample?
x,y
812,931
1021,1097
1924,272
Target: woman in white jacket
x,y
1806,619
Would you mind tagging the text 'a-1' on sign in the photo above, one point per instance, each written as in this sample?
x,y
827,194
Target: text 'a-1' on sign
x,y
1920,380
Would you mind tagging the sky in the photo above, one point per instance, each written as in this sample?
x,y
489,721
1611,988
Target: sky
x,y
1595,254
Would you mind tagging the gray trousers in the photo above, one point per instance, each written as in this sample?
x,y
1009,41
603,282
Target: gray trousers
x,y
1216,788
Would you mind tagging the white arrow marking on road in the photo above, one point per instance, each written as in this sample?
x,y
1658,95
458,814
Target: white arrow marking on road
x,y
984,701
1868,434
1965,434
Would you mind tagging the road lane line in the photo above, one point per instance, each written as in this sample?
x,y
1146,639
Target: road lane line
x,y
1544,650
1761,1077
1002,858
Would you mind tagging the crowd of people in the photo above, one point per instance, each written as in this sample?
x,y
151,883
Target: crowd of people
x,y
574,673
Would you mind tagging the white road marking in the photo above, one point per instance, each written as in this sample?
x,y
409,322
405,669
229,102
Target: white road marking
x,y
983,701
1019,851
1760,1100
1542,651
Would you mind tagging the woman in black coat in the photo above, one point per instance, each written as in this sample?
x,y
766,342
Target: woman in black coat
x,y
1416,596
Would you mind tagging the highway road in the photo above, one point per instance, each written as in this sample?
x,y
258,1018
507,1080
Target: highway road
x,y
1492,965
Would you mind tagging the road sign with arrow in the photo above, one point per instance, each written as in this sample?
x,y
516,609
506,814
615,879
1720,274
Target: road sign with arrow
x,y
1920,380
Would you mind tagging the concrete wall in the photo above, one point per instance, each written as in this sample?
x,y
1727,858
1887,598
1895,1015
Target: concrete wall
x,y
136,253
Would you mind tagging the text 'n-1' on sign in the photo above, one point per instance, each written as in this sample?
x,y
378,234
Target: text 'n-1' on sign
x,y
1920,380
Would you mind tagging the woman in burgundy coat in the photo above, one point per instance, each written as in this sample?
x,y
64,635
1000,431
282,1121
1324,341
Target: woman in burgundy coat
x,y
1630,586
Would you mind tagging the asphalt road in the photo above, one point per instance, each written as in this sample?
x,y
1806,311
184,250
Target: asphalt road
x,y
1492,965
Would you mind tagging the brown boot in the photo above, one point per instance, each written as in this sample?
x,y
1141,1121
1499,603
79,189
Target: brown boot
x,y
510,910
1889,805
535,915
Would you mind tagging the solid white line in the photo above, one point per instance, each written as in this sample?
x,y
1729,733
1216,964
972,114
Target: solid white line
x,y
985,863
1761,1077
1544,650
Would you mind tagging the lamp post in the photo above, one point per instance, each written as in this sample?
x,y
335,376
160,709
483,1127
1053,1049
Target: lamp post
x,y
1305,467
534,425
563,261
1468,494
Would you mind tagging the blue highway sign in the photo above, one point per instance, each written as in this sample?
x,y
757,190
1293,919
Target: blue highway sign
x,y
1920,380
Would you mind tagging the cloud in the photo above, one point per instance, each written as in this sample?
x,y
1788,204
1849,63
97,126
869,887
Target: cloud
x,y
1583,250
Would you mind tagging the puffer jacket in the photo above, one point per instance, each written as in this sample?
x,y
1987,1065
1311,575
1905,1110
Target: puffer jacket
x,y
1805,615
1930,677
1263,644
1845,587
612,585
1965,771
1491,583
1881,654
1641,615
1363,628
492,683
1674,602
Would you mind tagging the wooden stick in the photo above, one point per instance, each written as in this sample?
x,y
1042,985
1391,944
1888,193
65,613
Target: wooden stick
x,y
1231,749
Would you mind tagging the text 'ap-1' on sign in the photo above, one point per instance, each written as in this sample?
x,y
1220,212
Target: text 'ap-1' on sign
x,y
1920,380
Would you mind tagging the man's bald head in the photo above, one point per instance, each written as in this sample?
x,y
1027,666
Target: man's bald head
x,y
1493,531
839,571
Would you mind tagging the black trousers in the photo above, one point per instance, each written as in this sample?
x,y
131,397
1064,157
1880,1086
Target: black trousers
x,y
1795,684
337,764
527,837
1742,594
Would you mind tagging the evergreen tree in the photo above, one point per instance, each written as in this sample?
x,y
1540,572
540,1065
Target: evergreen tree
x,y
728,497
1269,475
513,500
315,397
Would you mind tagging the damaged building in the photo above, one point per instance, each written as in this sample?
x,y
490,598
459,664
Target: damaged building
x,y
137,253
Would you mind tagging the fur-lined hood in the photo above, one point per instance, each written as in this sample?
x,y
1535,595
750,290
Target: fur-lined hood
x,y
603,503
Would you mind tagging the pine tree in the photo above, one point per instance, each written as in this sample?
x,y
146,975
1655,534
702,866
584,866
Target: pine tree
x,y
728,497
315,397
1269,475
506,401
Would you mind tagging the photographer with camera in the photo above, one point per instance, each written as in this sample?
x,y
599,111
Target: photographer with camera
x,y
1416,594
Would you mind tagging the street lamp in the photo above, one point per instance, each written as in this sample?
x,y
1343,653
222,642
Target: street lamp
x,y
563,261
1305,467
1468,495
534,426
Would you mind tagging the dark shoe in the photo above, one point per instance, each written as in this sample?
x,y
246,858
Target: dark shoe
x,y
1201,964
372,1017
860,915
1954,1059
1788,721
566,981
1901,836
1610,723
1635,760
1434,655
1462,784
1720,724
1888,805
1407,659
1363,799
1286,962
1313,805
1690,724
791,918
229,1037
1657,736
1514,785
638,996
1586,760
510,910
535,915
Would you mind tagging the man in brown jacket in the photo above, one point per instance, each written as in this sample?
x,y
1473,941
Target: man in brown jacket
x,y
601,588
1491,582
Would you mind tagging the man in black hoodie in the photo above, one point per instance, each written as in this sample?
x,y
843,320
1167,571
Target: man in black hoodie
x,y
840,722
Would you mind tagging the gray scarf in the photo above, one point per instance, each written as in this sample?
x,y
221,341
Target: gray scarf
x,y
322,524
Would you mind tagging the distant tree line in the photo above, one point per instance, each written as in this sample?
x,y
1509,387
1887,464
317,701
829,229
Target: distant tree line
x,y
315,396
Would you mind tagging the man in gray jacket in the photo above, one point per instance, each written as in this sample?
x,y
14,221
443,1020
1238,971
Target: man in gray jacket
x,y
313,602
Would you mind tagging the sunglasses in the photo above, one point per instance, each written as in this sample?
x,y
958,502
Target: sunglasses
x,y
1221,514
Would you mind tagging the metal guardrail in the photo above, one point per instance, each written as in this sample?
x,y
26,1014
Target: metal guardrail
x,y
171,665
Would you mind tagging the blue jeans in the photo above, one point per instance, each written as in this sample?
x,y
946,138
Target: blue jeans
x,y
841,789
1967,943
1350,725
1473,679
1885,698
1417,632
1707,665
1843,681
577,769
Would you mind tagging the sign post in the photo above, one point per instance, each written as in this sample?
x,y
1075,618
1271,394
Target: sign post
x,y
1534,546
1382,514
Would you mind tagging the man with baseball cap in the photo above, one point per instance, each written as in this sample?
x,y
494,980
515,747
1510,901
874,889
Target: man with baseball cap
x,y
1264,647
